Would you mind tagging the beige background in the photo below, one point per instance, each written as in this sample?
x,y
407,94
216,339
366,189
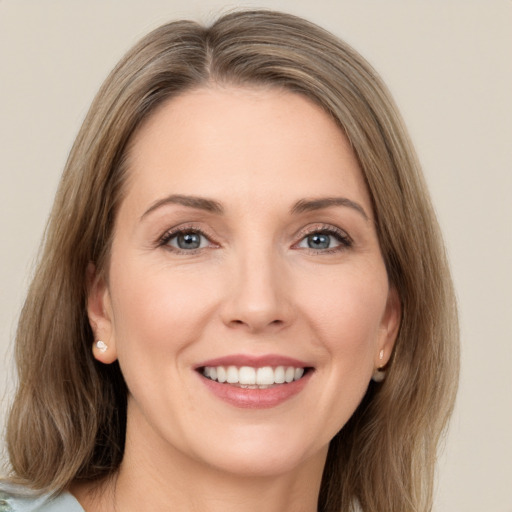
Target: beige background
x,y
449,66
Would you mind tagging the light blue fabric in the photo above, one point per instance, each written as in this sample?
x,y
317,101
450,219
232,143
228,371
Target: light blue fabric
x,y
19,499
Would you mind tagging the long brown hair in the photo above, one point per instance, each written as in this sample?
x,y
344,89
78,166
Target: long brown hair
x,y
68,418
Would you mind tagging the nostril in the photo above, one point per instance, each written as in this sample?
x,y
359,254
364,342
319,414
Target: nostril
x,y
257,324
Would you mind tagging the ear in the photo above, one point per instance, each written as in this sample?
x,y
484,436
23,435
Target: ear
x,y
389,327
99,311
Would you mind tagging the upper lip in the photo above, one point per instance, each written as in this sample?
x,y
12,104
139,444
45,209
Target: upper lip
x,y
254,361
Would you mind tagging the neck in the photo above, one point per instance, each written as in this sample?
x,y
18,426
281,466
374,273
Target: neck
x,y
166,479
189,485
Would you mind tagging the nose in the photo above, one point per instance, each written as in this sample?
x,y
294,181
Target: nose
x,y
259,293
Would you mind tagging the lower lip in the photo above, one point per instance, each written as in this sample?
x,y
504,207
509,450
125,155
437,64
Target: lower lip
x,y
256,398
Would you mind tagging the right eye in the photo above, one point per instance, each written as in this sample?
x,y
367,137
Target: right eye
x,y
188,240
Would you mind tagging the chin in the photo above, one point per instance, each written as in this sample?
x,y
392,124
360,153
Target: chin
x,y
261,452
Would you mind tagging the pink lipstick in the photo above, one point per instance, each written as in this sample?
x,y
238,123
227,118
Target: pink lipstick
x,y
248,381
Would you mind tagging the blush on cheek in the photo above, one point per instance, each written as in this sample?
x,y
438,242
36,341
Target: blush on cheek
x,y
353,322
160,310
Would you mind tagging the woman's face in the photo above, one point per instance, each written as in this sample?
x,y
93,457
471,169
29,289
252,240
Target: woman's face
x,y
244,255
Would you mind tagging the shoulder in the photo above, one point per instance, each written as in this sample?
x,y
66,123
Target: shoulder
x,y
21,499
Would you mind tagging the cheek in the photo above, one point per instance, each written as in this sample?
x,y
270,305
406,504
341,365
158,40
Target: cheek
x,y
346,312
154,308
343,311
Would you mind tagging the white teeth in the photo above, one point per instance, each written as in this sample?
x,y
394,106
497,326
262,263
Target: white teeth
x,y
254,378
247,375
221,374
279,375
232,375
265,376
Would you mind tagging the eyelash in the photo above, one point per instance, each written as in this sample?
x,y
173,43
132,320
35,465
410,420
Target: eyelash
x,y
182,230
345,242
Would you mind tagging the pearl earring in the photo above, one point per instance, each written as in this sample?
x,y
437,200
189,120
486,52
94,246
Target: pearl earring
x,y
379,374
101,346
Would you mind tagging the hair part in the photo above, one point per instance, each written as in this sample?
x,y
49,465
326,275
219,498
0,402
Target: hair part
x,y
68,418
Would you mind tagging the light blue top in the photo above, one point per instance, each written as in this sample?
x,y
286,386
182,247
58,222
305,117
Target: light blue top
x,y
18,499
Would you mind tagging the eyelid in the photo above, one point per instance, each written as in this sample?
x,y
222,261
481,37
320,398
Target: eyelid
x,y
169,234
344,238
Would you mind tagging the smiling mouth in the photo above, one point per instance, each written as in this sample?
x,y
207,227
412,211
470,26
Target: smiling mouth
x,y
248,377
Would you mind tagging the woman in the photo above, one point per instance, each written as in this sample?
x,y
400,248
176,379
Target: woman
x,y
243,300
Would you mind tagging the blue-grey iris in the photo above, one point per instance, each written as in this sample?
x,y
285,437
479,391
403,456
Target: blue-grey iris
x,y
319,241
189,241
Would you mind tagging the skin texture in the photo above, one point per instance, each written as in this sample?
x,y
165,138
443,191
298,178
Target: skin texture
x,y
253,287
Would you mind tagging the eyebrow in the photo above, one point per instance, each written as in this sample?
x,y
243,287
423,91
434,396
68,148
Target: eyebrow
x,y
200,203
209,205
308,205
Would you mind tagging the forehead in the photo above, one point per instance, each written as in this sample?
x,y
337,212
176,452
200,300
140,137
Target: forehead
x,y
243,143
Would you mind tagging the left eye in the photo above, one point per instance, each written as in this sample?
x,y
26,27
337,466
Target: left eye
x,y
321,241
187,240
